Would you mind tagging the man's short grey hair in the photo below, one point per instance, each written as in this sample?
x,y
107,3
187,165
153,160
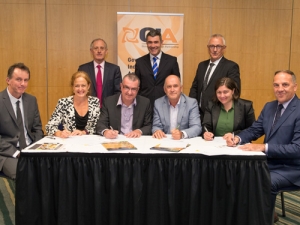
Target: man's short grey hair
x,y
217,36
132,77
97,39
288,72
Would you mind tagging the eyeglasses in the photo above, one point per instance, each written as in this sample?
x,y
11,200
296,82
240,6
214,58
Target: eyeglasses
x,y
126,88
218,47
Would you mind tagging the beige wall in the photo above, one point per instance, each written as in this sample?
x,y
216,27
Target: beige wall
x,y
52,37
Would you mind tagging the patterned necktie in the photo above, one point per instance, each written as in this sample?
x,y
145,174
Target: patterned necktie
x,y
22,141
99,85
207,76
155,67
278,115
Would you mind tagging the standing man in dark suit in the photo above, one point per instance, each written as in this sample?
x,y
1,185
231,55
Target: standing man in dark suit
x,y
20,122
211,70
126,113
109,74
279,121
153,68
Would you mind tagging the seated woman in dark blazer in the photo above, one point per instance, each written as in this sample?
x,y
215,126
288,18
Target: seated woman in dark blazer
x,y
227,112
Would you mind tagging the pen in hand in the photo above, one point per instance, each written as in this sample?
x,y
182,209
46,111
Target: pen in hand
x,y
233,139
205,128
111,128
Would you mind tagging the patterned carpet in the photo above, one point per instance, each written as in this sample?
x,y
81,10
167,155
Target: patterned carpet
x,y
7,202
292,208
7,205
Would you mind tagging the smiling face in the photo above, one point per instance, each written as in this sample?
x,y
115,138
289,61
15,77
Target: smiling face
x,y
216,48
81,87
18,83
224,95
99,51
129,90
154,45
173,88
284,87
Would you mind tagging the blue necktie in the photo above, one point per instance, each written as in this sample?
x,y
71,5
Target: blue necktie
x,y
278,115
155,67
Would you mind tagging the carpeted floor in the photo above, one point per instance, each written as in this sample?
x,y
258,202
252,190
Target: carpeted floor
x,y
292,208
7,202
7,205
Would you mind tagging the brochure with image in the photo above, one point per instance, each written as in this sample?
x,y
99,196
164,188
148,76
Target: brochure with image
x,y
120,145
46,146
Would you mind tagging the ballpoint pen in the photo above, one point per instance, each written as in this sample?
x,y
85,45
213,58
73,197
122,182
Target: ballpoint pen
x,y
111,128
178,126
205,128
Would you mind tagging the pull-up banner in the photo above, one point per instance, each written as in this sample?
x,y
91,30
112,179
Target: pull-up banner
x,y
132,31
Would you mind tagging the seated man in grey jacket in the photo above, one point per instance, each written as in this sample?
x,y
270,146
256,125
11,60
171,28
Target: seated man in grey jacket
x,y
175,113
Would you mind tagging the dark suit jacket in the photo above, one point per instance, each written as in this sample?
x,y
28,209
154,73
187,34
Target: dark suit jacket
x,y
111,115
153,88
243,115
9,130
225,68
111,81
283,141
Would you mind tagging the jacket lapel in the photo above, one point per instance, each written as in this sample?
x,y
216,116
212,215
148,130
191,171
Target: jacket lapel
x,y
93,77
288,111
181,110
215,118
9,107
166,113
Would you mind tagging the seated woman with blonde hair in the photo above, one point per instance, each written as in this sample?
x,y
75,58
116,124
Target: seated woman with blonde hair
x,y
79,113
227,113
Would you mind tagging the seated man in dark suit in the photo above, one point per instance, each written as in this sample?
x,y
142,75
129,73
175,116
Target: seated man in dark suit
x,y
105,77
175,113
126,113
20,122
153,68
279,121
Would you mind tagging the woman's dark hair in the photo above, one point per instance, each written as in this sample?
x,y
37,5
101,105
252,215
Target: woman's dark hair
x,y
230,84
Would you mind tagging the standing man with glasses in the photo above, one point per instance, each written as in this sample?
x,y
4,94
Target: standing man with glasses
x,y
20,122
209,71
153,68
105,77
126,113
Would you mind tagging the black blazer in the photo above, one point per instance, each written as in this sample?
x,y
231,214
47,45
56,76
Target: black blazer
x,y
154,88
111,81
243,115
110,115
225,68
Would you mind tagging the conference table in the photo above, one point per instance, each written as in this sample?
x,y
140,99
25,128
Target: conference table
x,y
82,180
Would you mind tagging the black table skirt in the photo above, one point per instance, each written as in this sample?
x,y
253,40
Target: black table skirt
x,y
138,189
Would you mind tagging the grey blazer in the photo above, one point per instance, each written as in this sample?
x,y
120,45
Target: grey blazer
x,y
9,130
188,117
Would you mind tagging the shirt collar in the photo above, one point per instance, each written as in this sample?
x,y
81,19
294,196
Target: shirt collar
x,y
158,56
101,64
12,99
285,104
120,102
216,62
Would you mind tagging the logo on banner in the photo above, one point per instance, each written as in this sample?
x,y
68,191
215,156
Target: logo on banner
x,y
130,35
